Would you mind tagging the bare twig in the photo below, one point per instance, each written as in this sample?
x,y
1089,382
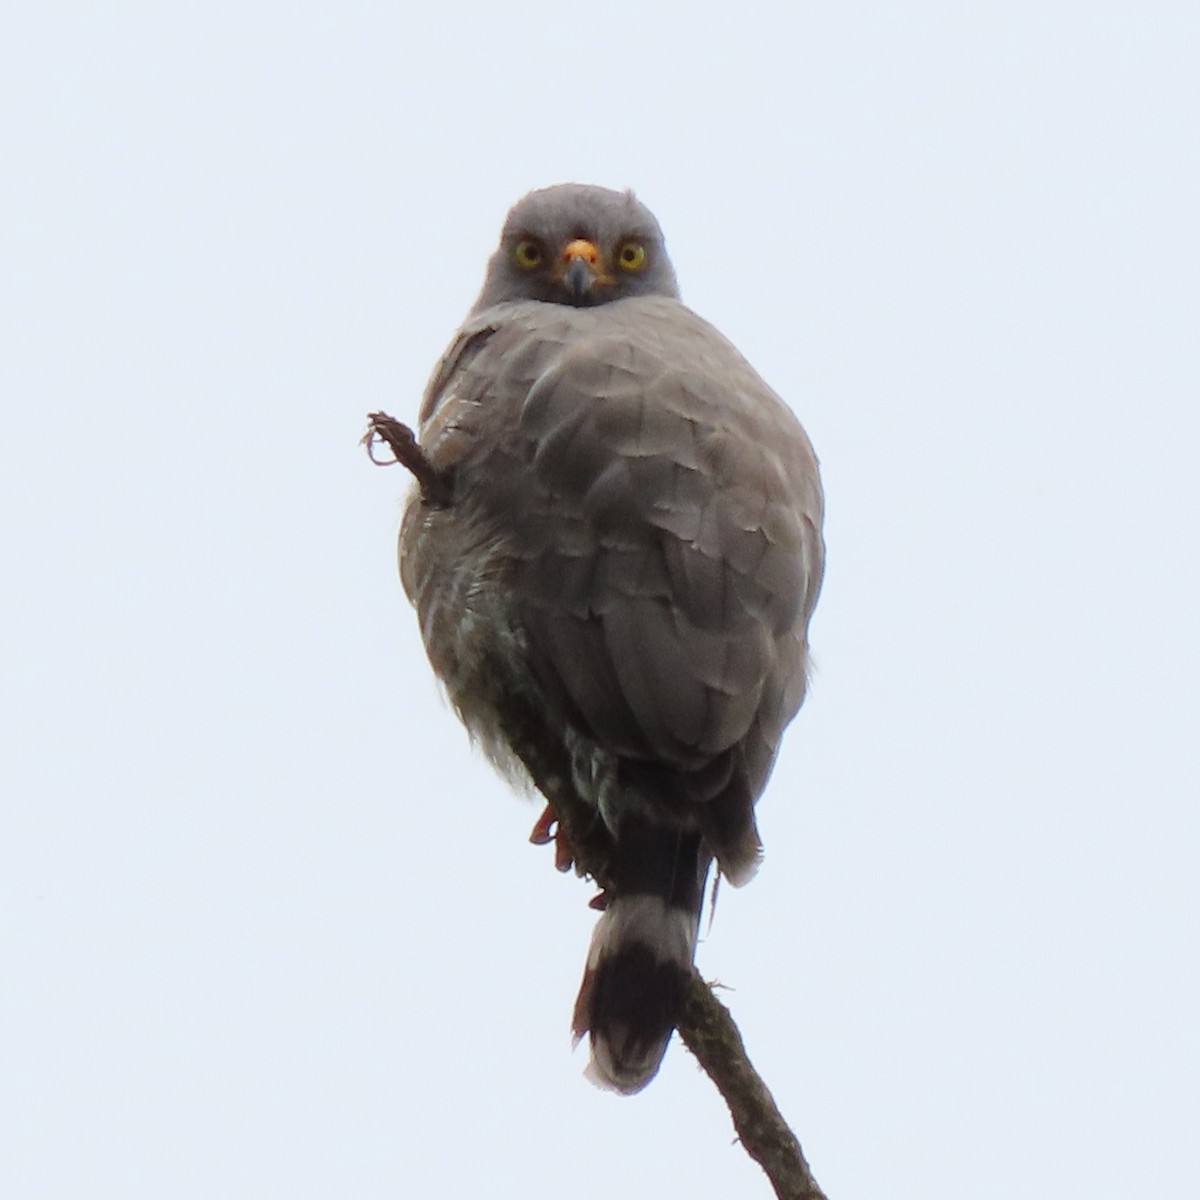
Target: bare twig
x,y
401,440
709,1032
706,1026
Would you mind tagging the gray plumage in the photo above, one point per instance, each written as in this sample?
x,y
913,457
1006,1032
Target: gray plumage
x,y
633,544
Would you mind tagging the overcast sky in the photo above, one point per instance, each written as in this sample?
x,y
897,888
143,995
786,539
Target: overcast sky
x,y
268,927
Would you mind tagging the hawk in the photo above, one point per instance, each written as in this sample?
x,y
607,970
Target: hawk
x,y
614,554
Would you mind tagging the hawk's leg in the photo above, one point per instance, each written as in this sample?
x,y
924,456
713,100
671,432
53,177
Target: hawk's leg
x,y
548,828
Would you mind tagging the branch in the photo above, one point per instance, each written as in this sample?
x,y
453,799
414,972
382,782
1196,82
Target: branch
x,y
709,1032
435,485
706,1026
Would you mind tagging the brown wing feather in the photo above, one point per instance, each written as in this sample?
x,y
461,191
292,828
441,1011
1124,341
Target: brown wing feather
x,y
656,504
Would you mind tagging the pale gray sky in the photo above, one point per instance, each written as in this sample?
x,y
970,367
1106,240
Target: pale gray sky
x,y
267,926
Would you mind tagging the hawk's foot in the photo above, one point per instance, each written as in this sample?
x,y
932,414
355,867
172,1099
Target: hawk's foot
x,y
549,829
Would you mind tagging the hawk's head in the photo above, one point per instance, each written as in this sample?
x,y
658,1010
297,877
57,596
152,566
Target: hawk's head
x,y
579,245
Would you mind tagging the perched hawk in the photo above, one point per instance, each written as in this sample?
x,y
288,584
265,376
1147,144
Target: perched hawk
x,y
616,571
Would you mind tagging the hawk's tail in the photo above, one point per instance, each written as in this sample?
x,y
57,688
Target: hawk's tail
x,y
641,953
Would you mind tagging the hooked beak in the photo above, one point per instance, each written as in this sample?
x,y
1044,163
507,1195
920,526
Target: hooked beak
x,y
581,270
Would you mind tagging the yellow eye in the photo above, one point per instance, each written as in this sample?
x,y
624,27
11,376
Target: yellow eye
x,y
527,255
632,256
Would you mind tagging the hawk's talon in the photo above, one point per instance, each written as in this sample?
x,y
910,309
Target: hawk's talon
x,y
548,828
564,851
542,833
